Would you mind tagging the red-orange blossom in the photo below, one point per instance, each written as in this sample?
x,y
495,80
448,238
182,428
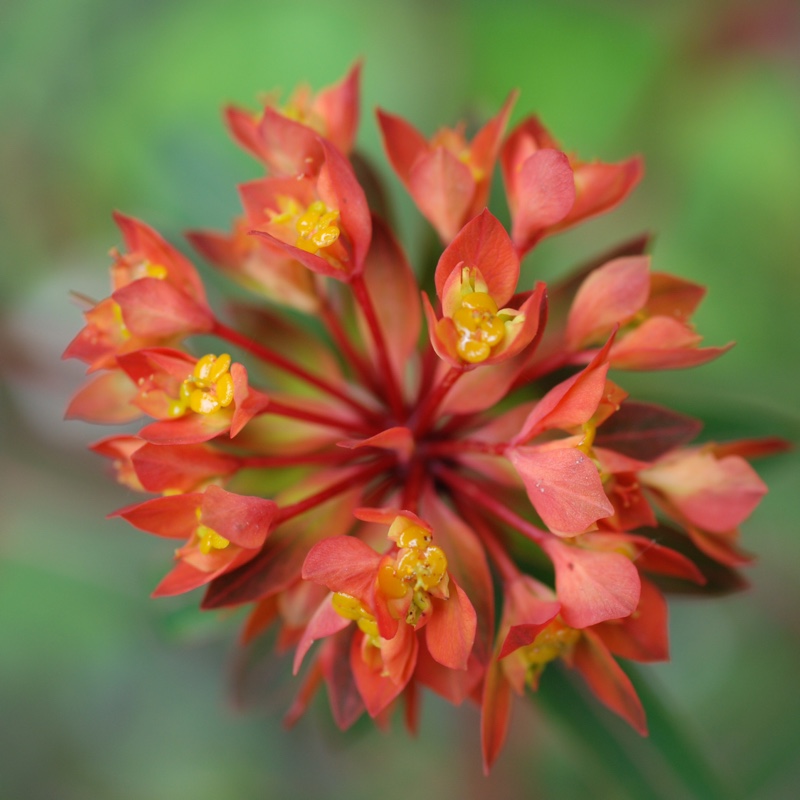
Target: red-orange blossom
x,y
365,486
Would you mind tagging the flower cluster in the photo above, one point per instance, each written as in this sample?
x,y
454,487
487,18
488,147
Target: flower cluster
x,y
443,489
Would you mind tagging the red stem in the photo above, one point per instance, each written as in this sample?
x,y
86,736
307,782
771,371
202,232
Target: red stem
x,y
435,397
392,389
508,569
348,350
471,491
351,426
461,446
279,361
275,462
413,485
354,478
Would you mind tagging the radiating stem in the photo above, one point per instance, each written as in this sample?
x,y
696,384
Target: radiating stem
x,y
472,491
276,462
434,399
282,410
392,389
488,537
277,360
346,347
460,447
356,477
413,485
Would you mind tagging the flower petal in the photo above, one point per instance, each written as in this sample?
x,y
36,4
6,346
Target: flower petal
x,y
563,485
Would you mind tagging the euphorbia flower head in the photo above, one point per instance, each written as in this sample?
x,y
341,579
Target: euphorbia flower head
x,y
432,477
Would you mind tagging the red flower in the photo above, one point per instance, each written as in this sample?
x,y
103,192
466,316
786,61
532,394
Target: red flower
x,y
654,309
193,399
158,299
549,191
322,221
475,277
222,531
448,177
390,598
286,138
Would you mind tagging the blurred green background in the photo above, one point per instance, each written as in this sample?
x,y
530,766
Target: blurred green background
x,y
115,104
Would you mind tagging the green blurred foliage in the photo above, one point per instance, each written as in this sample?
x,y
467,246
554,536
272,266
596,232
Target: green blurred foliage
x,y
115,104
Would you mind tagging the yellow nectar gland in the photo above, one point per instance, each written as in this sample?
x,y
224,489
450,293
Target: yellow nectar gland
x,y
479,327
589,432
208,389
420,567
116,312
148,269
349,607
315,226
207,538
554,641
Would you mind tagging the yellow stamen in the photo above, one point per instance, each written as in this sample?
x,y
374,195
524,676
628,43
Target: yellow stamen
x,y
390,583
555,641
116,311
589,431
316,227
156,271
414,536
210,540
480,328
208,389
350,607
419,568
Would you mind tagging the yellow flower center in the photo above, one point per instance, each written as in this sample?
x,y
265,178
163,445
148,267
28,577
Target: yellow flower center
x,y
479,327
148,269
116,312
208,389
419,567
589,432
315,226
555,641
349,607
209,539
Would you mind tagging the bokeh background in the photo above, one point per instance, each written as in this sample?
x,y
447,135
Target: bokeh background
x,y
115,104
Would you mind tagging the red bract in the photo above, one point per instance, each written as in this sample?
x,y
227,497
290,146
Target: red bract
x,y
259,266
654,309
448,177
222,531
286,138
323,222
549,191
193,399
158,299
401,483
475,277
